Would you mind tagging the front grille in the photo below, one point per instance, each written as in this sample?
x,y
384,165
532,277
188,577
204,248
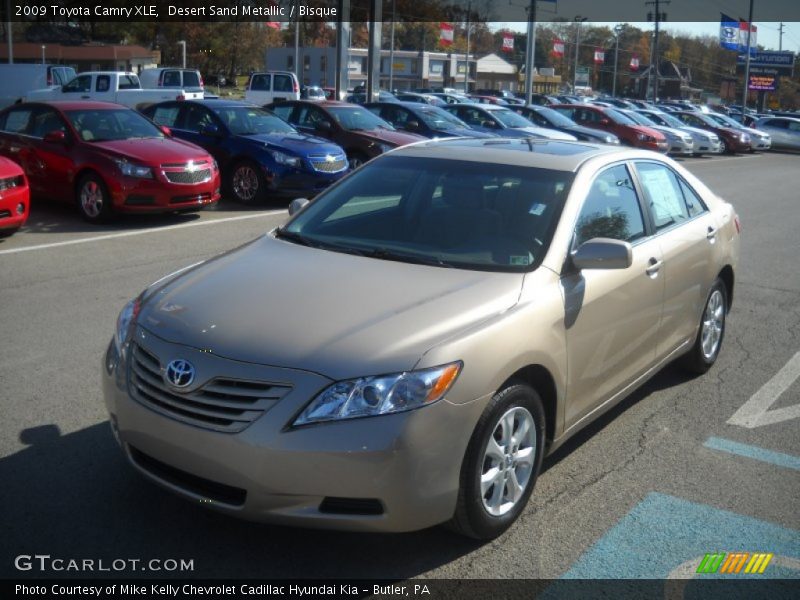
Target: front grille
x,y
222,404
205,488
4,214
323,165
188,177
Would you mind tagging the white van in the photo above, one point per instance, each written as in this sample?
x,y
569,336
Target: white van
x,y
172,77
17,79
272,86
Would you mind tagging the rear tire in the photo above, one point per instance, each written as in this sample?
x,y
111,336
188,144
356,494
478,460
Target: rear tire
x,y
709,338
501,463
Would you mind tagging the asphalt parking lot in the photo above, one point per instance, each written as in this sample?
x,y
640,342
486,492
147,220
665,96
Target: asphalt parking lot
x,y
685,467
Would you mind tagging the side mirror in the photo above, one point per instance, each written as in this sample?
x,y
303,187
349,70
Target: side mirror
x,y
210,130
55,137
605,121
412,126
165,130
296,205
603,253
322,126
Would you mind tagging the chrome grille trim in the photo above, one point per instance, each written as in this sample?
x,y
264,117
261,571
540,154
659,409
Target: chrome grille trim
x,y
320,163
223,404
188,177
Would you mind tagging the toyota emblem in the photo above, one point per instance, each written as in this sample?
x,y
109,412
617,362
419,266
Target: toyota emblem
x,y
180,373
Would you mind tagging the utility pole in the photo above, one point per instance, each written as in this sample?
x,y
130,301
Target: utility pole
x,y
9,33
780,37
530,52
578,21
617,32
391,48
182,44
747,62
466,58
655,62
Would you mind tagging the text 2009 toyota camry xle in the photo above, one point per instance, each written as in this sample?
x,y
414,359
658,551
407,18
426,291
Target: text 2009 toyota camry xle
x,y
407,348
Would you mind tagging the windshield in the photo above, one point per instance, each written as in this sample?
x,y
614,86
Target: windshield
x,y
436,118
100,125
639,118
618,117
555,117
446,213
251,120
511,119
668,120
356,118
726,121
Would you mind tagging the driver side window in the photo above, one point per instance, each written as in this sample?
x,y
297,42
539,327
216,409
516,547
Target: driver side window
x,y
611,209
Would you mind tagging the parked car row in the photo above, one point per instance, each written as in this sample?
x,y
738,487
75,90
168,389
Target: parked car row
x,y
183,155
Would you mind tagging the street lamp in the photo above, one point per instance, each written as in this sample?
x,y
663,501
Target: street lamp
x,y
182,44
43,47
578,19
617,32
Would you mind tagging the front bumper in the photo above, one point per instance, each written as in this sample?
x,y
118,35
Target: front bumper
x,y
402,469
682,147
132,195
297,183
10,200
707,146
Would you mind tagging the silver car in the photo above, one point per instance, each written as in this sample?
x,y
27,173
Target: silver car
x,y
406,350
680,142
705,142
785,131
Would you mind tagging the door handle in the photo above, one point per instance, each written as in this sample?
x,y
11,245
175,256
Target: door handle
x,y
653,267
711,234
85,97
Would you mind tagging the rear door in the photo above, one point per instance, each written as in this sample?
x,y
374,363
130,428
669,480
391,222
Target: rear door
x,y
51,163
259,90
284,88
687,234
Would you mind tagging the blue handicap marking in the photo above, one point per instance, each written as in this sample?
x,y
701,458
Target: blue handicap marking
x,y
664,535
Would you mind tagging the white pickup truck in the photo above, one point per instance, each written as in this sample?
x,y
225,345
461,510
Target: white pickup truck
x,y
111,86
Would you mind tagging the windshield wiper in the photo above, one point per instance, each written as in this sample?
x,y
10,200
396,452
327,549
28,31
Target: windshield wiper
x,y
298,238
419,259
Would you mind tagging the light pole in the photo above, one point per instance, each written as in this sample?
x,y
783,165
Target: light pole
x,y
617,31
530,52
578,19
391,49
182,44
43,47
466,57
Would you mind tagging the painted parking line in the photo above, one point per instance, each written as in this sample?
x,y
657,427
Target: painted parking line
x,y
756,411
664,535
121,234
768,456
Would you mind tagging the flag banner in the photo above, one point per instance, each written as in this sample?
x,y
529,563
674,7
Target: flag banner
x,y
558,47
729,33
445,34
743,37
634,63
273,24
508,42
599,56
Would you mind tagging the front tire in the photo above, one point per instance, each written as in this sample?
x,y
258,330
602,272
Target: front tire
x,y
709,338
247,183
94,201
501,464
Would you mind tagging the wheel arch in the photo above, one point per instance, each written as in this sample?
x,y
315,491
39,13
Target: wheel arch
x,y
86,170
727,277
540,379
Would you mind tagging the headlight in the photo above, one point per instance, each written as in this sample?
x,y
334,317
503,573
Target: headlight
x,y
612,140
216,165
132,170
125,321
643,137
285,159
370,396
745,138
384,147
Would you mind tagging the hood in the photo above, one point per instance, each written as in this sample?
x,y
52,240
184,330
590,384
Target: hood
x,y
463,132
277,303
592,134
695,131
671,131
298,143
648,131
396,138
153,151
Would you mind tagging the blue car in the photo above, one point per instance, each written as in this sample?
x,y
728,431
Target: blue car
x,y
423,119
259,154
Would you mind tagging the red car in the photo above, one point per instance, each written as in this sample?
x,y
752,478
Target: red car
x,y
107,158
14,197
613,121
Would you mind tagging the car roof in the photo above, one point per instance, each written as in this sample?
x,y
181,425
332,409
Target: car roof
x,y
215,102
529,152
74,104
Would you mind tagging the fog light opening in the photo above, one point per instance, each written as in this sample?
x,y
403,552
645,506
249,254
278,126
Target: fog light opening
x,y
20,208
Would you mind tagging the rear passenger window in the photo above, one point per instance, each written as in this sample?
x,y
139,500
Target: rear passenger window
x,y
694,204
611,209
171,79
284,111
17,120
260,83
663,194
103,83
166,115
